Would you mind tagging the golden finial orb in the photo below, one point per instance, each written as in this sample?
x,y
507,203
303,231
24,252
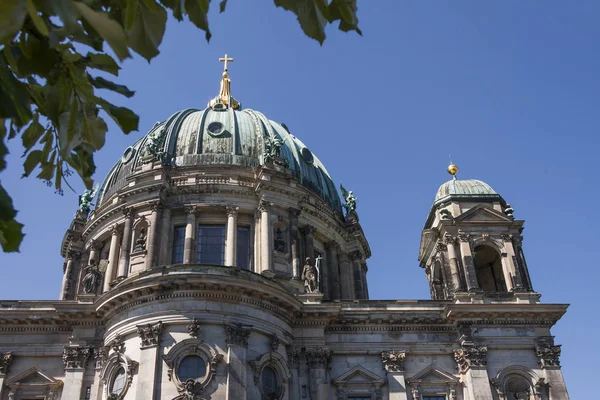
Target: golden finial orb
x,y
452,169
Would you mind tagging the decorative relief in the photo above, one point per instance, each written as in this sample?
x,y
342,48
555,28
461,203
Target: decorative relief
x,y
232,210
118,344
548,354
6,360
318,357
237,334
464,237
100,355
445,214
150,334
194,327
75,357
470,356
441,247
449,239
507,238
393,361
275,342
293,353
263,205
128,212
191,210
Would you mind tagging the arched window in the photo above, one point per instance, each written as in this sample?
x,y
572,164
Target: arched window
x,y
489,269
118,382
269,382
192,367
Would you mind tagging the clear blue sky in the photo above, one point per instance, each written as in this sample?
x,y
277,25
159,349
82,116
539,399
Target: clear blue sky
x,y
510,88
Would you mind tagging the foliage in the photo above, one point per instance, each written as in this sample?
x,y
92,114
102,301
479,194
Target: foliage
x,y
50,54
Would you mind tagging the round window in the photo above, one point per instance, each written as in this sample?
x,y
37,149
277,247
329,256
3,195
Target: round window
x,y
215,128
307,155
191,367
118,383
127,155
268,381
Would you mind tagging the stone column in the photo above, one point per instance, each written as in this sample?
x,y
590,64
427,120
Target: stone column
x,y
93,250
393,362
309,245
150,336
6,360
469,265
189,246
293,354
294,238
318,363
75,359
521,263
356,257
365,269
100,354
113,258
125,244
153,234
472,366
231,242
237,344
548,355
165,232
68,272
512,264
346,281
450,242
265,237
332,249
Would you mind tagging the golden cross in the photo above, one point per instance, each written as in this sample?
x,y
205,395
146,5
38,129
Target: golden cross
x,y
225,60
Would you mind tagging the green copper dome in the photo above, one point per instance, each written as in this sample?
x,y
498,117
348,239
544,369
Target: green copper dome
x,y
464,189
221,135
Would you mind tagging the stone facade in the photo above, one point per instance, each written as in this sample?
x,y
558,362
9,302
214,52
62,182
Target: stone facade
x,y
142,315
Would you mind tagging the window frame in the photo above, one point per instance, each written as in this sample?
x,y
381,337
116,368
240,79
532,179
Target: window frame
x,y
221,244
175,244
237,247
113,364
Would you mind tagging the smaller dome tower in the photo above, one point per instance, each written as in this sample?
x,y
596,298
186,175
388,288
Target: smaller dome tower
x,y
471,245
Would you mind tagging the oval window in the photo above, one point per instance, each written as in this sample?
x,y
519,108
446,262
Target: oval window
x,y
307,155
268,381
118,383
191,367
127,155
215,128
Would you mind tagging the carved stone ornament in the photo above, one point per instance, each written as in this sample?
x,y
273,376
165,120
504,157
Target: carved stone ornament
x,y
318,357
548,354
441,246
111,368
232,210
100,355
463,236
449,239
275,343
445,214
150,334
293,353
5,360
237,334
470,356
393,361
118,344
194,327
75,357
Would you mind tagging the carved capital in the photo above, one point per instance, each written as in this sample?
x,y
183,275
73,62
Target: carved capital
x,y
73,255
237,334
333,246
5,360
356,255
441,247
191,210
393,361
194,327
449,239
118,344
308,230
507,238
275,341
150,334
128,212
294,213
293,353
157,206
318,357
232,211
114,230
470,356
100,355
464,237
263,206
75,357
548,354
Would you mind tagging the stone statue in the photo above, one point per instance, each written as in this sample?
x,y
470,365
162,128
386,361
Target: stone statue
x,y
91,280
310,277
272,147
153,148
85,200
350,200
140,243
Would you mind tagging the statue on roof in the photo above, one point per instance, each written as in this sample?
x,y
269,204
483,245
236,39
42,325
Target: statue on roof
x,y
85,200
350,200
154,146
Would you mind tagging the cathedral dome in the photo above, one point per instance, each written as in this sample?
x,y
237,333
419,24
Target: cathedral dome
x,y
222,136
464,189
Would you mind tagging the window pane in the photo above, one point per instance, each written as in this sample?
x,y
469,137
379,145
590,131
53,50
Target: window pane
x,y
118,382
211,244
191,367
178,244
269,381
434,397
243,247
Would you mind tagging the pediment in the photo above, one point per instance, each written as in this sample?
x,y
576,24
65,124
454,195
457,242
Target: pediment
x,y
359,376
433,375
482,213
32,377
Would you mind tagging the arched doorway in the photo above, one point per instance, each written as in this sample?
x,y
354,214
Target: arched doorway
x,y
489,269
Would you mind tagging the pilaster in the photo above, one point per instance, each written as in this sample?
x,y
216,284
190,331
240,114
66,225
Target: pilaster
x,y
266,265
75,359
189,245
548,355
6,360
467,257
318,359
125,243
393,363
237,344
472,366
332,249
150,337
231,241
153,234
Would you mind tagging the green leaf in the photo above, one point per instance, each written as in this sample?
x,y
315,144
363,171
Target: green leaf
x,y
68,135
176,6
39,23
197,11
3,148
108,29
67,13
94,129
311,15
32,161
32,134
103,62
130,13
126,119
47,170
222,5
38,58
14,97
147,31
12,16
11,235
345,12
101,83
